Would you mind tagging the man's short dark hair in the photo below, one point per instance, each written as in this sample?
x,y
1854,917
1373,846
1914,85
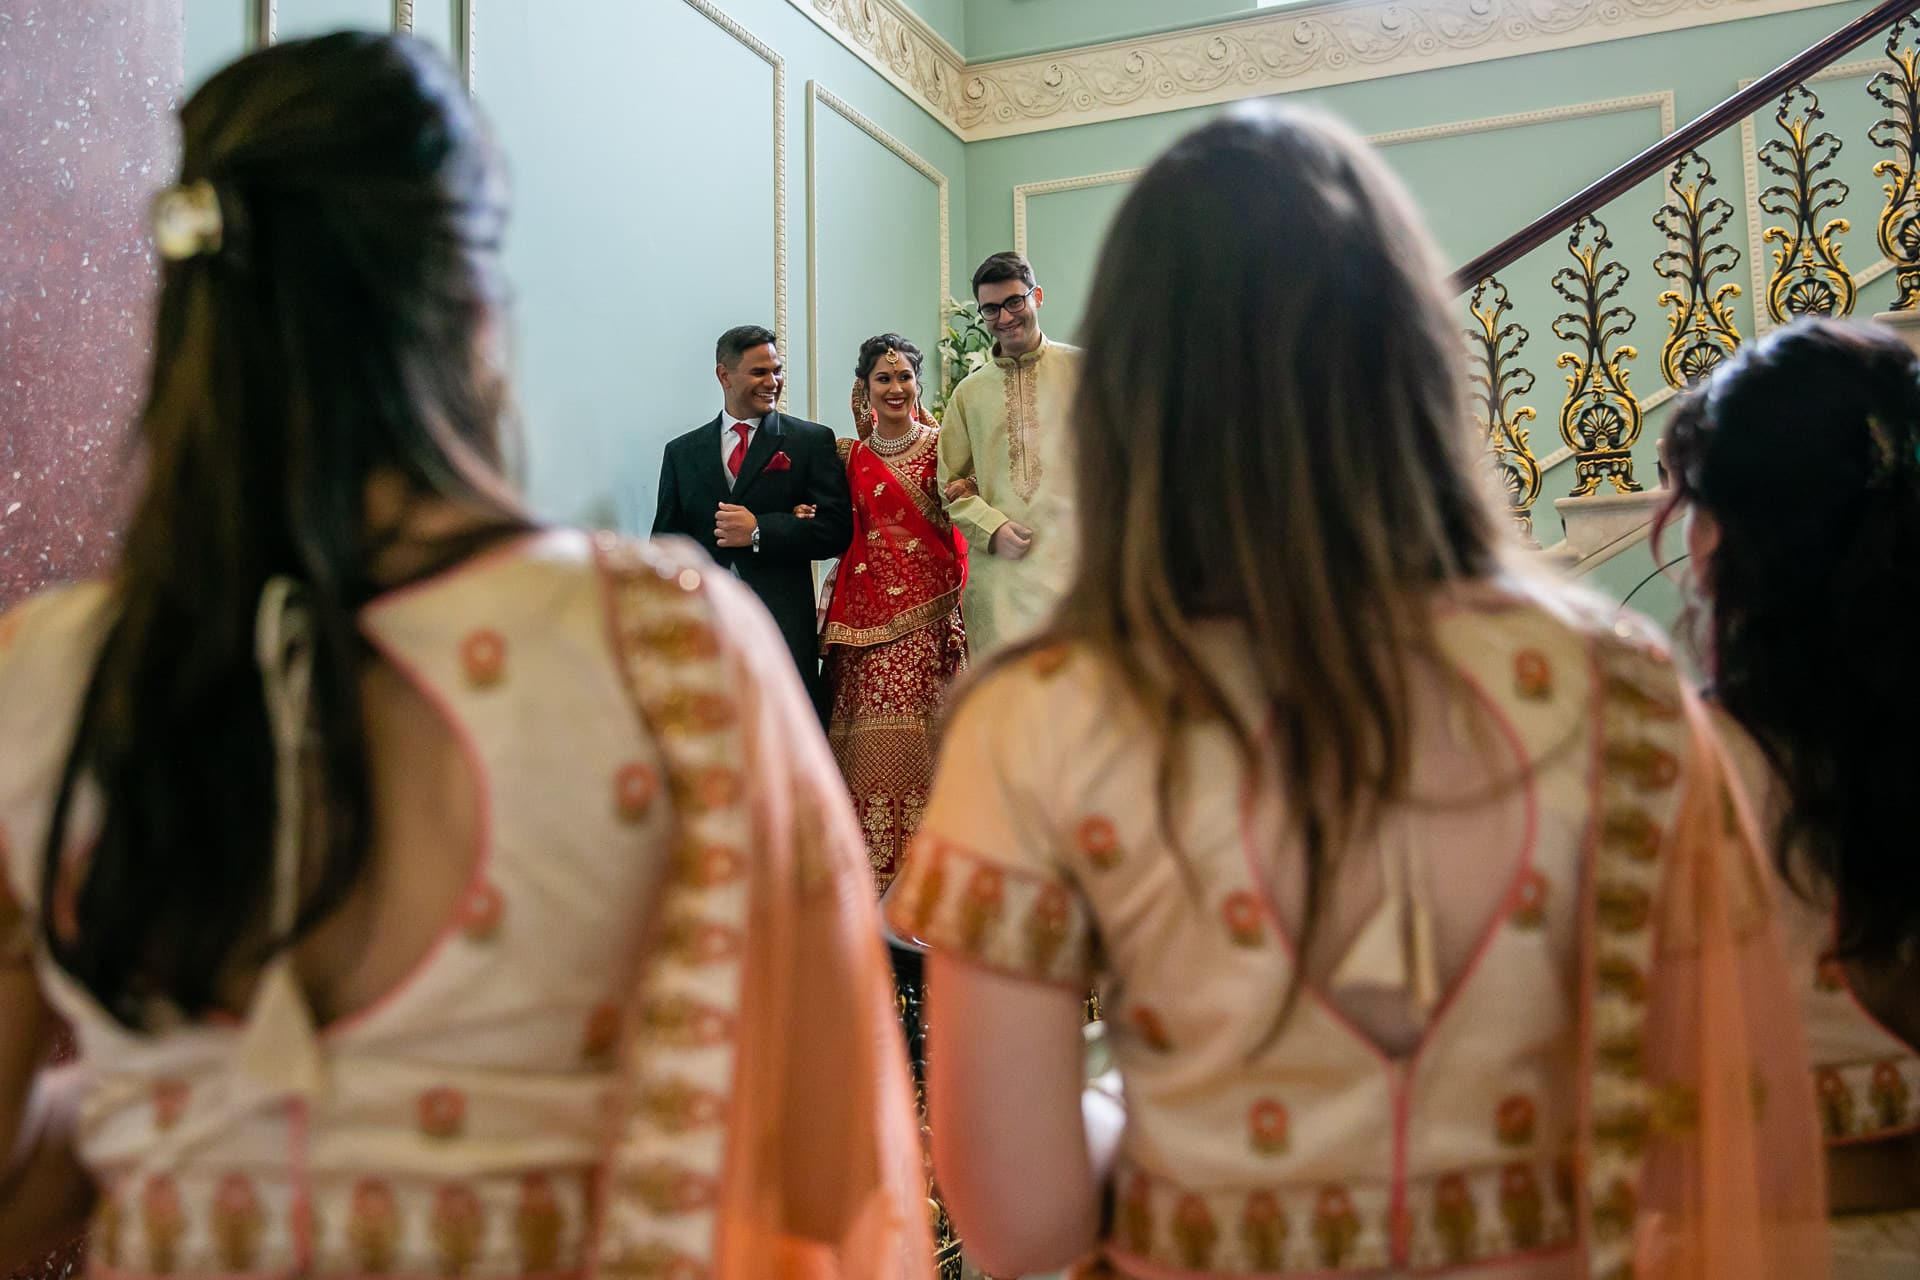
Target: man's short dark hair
x,y
739,340
1002,267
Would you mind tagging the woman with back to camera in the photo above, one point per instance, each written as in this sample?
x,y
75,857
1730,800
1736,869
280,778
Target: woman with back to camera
x,y
1424,937
1797,470
431,893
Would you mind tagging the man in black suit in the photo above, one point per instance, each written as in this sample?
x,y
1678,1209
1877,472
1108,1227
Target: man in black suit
x,y
764,493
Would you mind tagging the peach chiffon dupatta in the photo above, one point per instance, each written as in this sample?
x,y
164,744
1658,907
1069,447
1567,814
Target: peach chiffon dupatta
x,y
1701,1148
764,1126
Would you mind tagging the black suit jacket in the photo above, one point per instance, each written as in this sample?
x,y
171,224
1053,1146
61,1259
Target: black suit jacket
x,y
693,484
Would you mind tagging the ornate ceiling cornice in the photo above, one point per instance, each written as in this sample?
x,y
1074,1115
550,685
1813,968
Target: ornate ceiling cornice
x,y
893,40
1299,47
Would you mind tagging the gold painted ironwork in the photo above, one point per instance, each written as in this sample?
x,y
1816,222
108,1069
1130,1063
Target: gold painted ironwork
x,y
1899,131
1700,331
1600,418
1493,351
1808,276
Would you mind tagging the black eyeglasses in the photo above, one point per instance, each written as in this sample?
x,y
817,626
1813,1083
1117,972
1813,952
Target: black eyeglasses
x,y
1013,306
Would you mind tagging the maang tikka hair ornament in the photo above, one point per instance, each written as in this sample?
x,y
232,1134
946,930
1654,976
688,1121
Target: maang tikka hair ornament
x,y
186,221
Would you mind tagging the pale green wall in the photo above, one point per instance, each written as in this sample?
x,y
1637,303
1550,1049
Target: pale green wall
x,y
1008,28
642,145
1477,187
948,17
641,141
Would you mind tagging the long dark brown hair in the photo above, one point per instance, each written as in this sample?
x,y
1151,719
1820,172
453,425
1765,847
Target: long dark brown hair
x,y
1802,448
337,333
1270,428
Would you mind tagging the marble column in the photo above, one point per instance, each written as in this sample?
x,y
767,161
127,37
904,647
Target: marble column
x,y
87,92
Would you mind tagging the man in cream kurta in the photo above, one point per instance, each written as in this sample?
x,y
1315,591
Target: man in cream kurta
x,y
1005,429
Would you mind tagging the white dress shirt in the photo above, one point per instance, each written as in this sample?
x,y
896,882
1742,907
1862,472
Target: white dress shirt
x,y
729,438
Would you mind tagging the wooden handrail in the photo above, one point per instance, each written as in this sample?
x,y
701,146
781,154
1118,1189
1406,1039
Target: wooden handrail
x,y
1676,144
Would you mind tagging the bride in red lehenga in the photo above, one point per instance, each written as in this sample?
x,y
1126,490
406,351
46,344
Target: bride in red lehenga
x,y
893,638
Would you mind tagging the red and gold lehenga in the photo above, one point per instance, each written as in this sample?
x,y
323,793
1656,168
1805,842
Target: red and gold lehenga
x,y
893,638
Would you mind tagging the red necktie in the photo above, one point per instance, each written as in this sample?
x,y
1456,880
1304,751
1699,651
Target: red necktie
x,y
739,454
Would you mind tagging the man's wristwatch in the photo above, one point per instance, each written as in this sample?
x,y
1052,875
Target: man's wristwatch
x,y
753,539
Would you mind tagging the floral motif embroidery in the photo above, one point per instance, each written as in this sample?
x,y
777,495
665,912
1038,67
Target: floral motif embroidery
x,y
634,788
1641,701
981,906
1530,900
1456,1218
861,567
681,641
237,1222
925,901
1099,841
699,942
373,1227
1889,1093
671,1189
1532,675
686,1023
1194,1231
163,1222
1020,383
879,489
691,711
537,1223
708,866
169,1102
483,655
458,1221
678,1106
443,1112
1151,1029
1263,1230
1245,926
602,1036
1047,926
715,787
1621,1052
1521,1207
1267,1127
1335,1225
480,915
1613,1212
1622,907
1513,1121
1633,833
1618,974
1648,767
1836,1102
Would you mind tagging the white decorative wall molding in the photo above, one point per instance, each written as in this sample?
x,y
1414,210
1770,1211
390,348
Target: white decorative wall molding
x,y
767,54
467,25
403,15
817,97
1662,101
894,40
263,23
1311,46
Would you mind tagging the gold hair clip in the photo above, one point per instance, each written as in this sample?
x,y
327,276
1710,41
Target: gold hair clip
x,y
893,357
186,221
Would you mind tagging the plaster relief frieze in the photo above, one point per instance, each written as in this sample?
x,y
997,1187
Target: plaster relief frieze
x,y
894,41
1301,48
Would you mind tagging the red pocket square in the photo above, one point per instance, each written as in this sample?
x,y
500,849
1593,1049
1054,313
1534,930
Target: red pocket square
x,y
780,462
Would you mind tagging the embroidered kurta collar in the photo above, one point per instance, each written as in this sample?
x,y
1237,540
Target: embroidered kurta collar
x,y
1008,362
